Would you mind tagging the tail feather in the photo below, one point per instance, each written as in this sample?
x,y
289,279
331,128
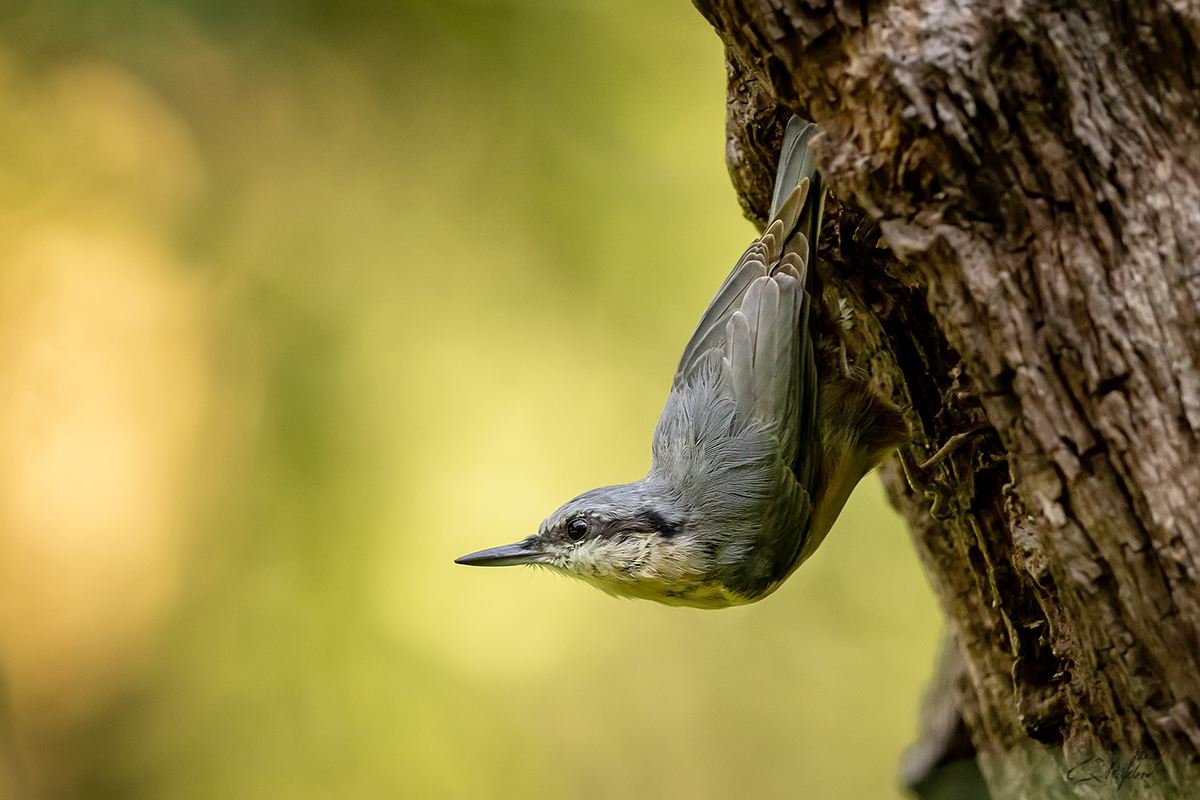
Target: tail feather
x,y
797,164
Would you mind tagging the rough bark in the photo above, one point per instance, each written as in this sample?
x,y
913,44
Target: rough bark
x,y
1019,231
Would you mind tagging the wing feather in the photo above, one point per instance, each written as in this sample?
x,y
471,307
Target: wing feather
x,y
739,359
710,332
788,214
765,355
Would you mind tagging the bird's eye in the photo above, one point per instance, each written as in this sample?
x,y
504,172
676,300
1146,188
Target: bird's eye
x,y
577,529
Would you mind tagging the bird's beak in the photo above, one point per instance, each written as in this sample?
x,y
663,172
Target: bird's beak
x,y
528,551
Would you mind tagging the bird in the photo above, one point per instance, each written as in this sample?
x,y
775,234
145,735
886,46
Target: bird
x,y
762,439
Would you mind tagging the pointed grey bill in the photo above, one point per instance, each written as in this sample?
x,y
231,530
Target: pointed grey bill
x,y
523,552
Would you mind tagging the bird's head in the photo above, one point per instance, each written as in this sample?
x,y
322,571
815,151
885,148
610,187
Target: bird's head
x,y
627,540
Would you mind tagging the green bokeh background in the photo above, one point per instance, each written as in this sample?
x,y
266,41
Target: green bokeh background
x,y
445,256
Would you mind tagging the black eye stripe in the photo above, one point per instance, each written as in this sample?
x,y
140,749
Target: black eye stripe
x,y
654,521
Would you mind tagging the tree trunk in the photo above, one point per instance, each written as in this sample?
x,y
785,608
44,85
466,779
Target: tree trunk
x,y
1018,229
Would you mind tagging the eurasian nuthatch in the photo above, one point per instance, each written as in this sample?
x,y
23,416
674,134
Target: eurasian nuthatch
x,y
758,447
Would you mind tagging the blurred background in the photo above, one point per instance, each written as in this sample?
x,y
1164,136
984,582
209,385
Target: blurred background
x,y
301,300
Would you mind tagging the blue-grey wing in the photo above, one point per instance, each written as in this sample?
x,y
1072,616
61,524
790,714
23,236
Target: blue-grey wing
x,y
763,364
761,318
788,243
739,430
